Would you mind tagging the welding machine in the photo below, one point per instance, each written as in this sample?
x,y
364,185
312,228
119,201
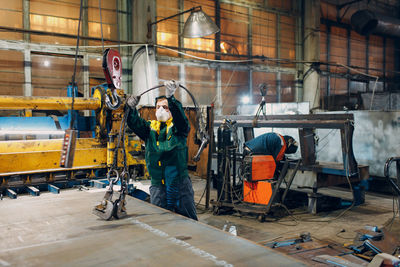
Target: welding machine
x,y
257,171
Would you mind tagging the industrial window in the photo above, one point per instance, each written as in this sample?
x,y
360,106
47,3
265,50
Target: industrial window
x,y
338,48
344,84
264,33
287,38
375,55
202,83
234,30
280,4
11,16
167,31
12,72
270,80
358,48
52,74
389,55
234,86
338,86
54,16
96,73
108,19
287,88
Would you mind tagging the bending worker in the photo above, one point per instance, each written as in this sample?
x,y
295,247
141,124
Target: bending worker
x,y
272,144
166,152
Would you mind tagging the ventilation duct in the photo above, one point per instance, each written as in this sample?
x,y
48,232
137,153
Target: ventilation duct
x,y
366,22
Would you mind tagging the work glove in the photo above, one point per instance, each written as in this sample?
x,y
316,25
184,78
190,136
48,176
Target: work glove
x,y
133,101
171,87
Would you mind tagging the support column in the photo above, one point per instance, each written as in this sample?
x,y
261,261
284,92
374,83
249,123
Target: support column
x,y
311,51
142,12
85,22
28,73
299,51
26,19
86,85
27,52
218,104
278,55
182,79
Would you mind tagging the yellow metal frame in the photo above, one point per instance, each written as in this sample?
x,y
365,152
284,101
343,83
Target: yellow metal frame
x,y
25,157
48,103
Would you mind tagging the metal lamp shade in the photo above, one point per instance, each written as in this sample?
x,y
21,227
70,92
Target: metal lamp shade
x,y
199,24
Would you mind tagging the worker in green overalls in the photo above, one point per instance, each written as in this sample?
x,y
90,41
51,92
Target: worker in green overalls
x,y
166,152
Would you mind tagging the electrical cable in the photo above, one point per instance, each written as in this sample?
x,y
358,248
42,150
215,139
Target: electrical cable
x,y
71,125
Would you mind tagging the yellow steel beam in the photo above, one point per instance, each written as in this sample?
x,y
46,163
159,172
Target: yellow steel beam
x,y
48,103
31,156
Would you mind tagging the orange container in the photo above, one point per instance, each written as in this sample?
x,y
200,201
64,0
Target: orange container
x,y
262,167
257,192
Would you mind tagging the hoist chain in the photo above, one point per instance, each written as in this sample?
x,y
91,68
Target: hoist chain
x,y
109,207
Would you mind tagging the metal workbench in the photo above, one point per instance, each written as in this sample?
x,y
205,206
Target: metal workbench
x,y
61,230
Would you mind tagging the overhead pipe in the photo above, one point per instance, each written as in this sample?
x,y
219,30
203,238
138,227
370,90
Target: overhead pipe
x,y
366,22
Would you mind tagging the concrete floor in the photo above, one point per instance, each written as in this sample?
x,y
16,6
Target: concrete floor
x,y
60,230
376,211
338,226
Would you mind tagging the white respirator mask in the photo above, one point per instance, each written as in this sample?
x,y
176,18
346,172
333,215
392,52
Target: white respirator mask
x,y
162,114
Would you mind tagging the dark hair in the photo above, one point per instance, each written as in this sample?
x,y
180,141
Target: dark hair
x,y
291,144
161,97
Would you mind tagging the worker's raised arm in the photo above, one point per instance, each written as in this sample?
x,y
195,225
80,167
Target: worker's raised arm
x,y
180,120
138,125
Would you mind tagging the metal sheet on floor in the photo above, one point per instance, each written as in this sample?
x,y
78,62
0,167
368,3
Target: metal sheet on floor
x,y
61,230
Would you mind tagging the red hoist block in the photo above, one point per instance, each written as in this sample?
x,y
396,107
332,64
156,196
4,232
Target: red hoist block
x,y
112,67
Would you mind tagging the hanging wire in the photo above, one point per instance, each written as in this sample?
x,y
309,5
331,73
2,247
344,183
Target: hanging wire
x,y
118,32
71,125
101,27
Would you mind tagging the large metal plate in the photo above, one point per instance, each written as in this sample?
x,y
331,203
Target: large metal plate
x,y
61,230
375,139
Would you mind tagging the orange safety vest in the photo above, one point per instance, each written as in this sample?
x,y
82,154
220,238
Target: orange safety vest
x,y
281,153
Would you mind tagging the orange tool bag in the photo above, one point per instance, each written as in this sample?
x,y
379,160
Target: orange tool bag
x,y
257,169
